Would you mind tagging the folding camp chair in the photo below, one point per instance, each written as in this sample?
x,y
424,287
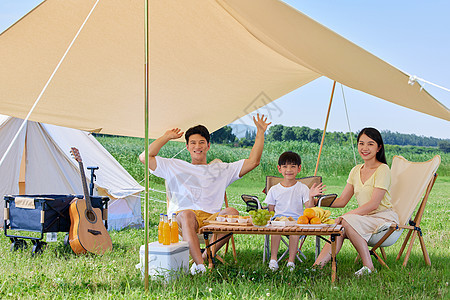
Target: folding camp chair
x,y
410,180
250,200
201,237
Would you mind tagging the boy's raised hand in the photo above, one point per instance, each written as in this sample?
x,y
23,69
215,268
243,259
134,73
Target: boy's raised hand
x,y
261,123
173,134
317,189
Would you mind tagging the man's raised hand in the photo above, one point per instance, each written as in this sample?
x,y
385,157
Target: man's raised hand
x,y
174,133
261,123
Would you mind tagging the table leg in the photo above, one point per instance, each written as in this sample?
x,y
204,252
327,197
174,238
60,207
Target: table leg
x,y
333,258
208,250
317,246
266,251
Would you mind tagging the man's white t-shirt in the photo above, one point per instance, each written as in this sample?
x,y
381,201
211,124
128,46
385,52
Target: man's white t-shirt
x,y
288,201
197,187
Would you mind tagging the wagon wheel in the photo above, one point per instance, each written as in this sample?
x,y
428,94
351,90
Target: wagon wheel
x,y
18,244
38,247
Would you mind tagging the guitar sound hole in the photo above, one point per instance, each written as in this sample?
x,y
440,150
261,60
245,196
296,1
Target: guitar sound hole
x,y
90,216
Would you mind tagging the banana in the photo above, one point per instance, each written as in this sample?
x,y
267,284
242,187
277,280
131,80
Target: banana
x,y
319,212
325,216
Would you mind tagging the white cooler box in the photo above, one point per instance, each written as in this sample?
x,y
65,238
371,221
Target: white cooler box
x,y
165,262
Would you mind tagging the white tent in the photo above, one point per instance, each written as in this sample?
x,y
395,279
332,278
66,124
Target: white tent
x,y
40,163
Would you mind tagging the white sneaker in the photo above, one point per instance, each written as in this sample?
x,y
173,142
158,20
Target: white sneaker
x,y
273,265
291,266
364,271
198,269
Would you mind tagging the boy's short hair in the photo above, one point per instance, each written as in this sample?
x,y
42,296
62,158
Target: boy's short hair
x,y
199,129
289,157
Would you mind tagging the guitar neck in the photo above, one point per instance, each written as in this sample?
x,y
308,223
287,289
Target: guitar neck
x,y
85,187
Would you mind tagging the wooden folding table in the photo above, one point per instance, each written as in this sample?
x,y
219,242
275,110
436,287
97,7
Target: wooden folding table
x,y
318,230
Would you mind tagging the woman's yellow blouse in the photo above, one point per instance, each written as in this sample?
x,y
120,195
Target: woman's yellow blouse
x,y
381,178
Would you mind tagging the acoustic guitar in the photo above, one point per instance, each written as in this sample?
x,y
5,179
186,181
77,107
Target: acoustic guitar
x,y
87,231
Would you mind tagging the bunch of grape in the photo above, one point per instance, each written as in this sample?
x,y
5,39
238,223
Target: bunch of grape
x,y
261,217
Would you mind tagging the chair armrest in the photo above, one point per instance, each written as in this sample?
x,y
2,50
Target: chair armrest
x,y
326,200
252,202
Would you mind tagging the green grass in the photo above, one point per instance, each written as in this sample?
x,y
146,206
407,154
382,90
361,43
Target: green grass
x,y
60,274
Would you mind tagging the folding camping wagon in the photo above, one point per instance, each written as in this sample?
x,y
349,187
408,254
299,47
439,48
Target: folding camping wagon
x,y
42,214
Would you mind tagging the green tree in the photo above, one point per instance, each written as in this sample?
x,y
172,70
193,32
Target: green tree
x,y
244,142
223,135
444,146
250,135
395,138
315,136
288,134
302,133
275,133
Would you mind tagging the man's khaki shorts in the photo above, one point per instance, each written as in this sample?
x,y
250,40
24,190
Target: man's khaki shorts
x,y
202,216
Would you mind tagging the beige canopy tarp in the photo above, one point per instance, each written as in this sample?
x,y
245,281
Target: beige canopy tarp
x,y
209,62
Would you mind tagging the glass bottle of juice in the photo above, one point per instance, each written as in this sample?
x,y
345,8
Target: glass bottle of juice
x,y
160,228
166,231
174,230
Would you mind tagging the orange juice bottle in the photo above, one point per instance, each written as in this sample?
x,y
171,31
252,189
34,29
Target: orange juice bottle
x,y
174,230
166,231
160,228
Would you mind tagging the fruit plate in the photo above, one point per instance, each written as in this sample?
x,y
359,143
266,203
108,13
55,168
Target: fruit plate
x,y
283,223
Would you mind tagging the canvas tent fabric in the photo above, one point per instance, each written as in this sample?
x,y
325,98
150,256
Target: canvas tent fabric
x,y
216,56
50,169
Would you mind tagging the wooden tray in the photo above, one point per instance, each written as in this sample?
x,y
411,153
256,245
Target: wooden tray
x,y
228,223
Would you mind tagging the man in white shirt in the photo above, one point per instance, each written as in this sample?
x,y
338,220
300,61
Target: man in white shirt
x,y
197,189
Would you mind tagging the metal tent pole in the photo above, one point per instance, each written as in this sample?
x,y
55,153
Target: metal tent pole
x,y
147,90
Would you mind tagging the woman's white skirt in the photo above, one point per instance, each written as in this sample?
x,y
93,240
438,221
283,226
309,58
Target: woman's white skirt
x,y
366,225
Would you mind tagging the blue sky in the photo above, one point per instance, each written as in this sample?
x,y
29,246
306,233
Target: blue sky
x,y
413,36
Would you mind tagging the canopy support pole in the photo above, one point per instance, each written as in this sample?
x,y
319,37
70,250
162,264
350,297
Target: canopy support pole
x,y
325,128
147,90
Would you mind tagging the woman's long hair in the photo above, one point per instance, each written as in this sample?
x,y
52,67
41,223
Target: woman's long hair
x,y
375,135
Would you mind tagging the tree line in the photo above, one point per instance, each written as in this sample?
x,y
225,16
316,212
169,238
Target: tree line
x,y
297,133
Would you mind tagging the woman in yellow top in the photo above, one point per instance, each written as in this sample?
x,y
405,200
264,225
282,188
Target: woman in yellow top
x,y
370,183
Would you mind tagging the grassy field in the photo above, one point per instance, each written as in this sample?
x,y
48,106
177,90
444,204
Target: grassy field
x,y
60,274
335,160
